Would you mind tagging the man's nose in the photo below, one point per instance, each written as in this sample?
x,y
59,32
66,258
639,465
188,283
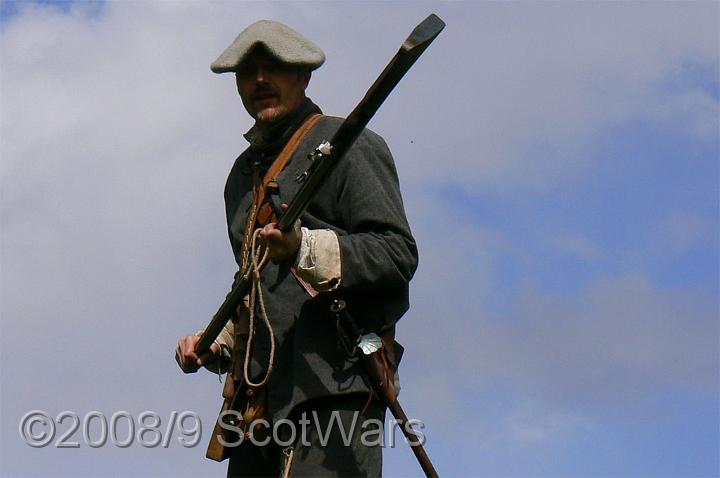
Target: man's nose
x,y
260,74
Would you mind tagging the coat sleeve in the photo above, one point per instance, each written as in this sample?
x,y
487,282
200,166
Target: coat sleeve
x,y
378,250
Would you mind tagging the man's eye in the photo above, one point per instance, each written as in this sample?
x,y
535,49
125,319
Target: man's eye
x,y
274,68
245,71
280,68
249,71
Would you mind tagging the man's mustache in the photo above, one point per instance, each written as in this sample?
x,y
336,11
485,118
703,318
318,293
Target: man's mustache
x,y
263,92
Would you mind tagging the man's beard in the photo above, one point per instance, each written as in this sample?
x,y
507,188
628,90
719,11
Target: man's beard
x,y
272,114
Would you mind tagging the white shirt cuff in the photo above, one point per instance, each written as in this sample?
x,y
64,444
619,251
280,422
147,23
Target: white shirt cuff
x,y
318,260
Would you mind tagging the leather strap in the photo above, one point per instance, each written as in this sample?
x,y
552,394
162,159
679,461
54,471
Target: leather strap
x,y
261,211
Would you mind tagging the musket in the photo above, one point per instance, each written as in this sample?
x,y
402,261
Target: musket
x,y
326,156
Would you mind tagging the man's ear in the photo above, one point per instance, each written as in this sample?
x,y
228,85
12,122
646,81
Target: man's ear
x,y
305,74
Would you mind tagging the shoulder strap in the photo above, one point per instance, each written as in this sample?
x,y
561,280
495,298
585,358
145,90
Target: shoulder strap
x,y
261,210
279,164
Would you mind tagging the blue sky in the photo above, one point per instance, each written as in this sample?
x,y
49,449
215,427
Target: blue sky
x,y
559,164
11,8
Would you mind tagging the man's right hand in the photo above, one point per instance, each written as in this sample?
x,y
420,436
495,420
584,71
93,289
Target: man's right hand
x,y
188,360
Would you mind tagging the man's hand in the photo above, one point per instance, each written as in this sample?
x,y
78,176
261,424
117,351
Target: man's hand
x,y
282,246
188,360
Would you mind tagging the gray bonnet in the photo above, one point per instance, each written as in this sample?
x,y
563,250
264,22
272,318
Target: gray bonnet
x,y
279,40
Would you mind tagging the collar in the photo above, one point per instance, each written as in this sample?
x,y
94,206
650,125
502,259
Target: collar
x,y
274,138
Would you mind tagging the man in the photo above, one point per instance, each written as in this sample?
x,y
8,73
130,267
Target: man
x,y
354,244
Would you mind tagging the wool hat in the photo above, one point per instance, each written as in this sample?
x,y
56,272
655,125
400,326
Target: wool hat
x,y
279,40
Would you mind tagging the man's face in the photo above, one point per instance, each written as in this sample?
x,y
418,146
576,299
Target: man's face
x,y
270,89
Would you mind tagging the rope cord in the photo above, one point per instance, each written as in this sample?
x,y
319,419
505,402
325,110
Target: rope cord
x,y
258,256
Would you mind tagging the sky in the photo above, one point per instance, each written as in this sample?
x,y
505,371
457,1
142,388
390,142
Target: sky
x,y
559,167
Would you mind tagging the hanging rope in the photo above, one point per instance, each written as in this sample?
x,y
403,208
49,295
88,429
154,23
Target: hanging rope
x,y
258,256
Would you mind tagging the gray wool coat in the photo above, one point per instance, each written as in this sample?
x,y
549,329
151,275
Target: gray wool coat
x,y
361,203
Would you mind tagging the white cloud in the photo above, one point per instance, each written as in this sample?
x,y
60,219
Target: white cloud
x,y
682,230
613,340
529,426
618,335
526,92
574,245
